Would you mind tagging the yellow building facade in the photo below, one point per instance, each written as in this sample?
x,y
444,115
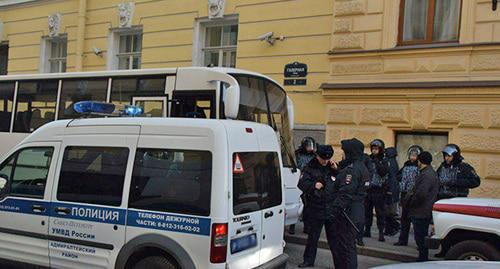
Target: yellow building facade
x,y
170,38
420,89
406,71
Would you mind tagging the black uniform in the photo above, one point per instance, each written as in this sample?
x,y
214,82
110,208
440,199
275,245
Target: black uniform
x,y
345,195
406,177
457,178
392,193
303,158
316,200
375,197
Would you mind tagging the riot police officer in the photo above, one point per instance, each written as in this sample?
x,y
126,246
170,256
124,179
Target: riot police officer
x,y
375,197
344,194
315,178
304,154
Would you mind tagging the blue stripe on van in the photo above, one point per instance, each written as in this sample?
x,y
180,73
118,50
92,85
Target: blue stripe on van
x,y
90,213
24,206
168,222
118,216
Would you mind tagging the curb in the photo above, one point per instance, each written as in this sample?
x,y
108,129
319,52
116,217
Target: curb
x,y
365,251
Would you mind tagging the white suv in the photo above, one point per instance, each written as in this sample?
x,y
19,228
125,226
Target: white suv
x,y
467,229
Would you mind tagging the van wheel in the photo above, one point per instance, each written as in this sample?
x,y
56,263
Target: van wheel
x,y
155,262
473,250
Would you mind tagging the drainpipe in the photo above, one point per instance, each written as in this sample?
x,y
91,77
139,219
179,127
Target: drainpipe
x,y
80,35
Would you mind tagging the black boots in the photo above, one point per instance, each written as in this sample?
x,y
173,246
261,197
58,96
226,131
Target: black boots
x,y
367,232
305,265
381,237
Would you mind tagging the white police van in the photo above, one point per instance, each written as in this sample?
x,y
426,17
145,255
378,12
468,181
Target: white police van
x,y
144,193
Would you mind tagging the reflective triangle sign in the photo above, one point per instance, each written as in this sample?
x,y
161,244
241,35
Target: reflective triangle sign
x,y
238,166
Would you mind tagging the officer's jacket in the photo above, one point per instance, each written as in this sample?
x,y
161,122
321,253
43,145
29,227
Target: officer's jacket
x,y
349,186
315,200
379,171
456,179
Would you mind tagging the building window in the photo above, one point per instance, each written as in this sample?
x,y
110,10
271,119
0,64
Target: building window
x,y
429,21
4,58
125,49
216,43
54,54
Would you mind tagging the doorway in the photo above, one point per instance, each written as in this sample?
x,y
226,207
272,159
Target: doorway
x,y
432,142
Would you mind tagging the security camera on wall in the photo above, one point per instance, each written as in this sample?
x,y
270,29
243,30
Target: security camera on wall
x,y
269,38
97,51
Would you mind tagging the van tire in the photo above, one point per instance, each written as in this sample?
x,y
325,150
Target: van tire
x,y
473,250
155,262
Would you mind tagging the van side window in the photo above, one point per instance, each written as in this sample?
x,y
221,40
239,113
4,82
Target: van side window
x,y
25,173
171,180
257,185
93,175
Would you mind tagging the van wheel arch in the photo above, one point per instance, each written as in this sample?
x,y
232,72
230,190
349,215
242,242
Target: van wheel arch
x,y
473,248
153,245
456,236
151,256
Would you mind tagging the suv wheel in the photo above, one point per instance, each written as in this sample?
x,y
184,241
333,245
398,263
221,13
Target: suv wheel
x,y
155,262
473,250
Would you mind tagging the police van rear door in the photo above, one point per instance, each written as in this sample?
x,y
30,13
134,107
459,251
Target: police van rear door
x,y
87,218
245,227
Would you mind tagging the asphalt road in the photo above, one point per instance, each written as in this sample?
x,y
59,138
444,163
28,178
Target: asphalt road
x,y
324,258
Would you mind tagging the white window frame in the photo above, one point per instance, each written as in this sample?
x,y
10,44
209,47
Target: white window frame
x,y
45,53
114,46
200,30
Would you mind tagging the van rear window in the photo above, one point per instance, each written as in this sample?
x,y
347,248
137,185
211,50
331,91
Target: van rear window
x,y
172,180
256,181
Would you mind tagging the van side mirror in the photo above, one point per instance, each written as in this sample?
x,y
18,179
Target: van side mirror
x,y
291,113
232,102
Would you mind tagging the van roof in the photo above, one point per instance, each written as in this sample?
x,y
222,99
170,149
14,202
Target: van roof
x,y
54,131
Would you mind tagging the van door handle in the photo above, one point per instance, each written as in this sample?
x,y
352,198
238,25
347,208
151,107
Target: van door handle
x,y
38,208
268,214
63,210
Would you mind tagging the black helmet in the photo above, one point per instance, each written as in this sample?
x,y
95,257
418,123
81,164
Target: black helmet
x,y
415,149
308,142
378,143
452,150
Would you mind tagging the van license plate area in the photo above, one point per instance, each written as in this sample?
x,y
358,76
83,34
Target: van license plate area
x,y
243,243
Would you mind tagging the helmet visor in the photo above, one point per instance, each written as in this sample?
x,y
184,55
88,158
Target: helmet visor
x,y
309,145
450,150
376,143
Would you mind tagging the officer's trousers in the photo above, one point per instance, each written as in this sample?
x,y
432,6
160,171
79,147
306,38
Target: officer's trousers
x,y
343,246
315,226
405,221
375,198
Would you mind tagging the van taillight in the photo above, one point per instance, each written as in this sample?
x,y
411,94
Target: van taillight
x,y
218,247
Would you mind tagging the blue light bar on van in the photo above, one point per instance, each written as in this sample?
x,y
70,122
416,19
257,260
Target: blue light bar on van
x,y
107,109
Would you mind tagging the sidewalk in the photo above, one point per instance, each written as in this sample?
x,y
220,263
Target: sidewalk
x,y
373,248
